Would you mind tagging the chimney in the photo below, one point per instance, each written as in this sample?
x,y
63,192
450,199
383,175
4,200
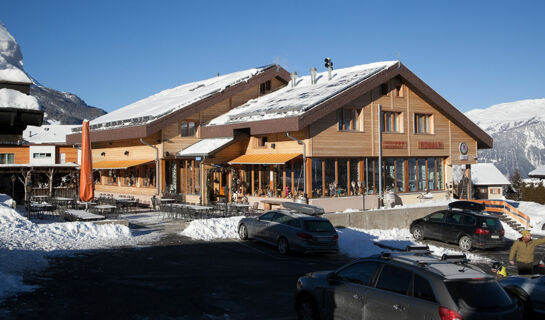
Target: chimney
x,y
313,72
293,79
329,66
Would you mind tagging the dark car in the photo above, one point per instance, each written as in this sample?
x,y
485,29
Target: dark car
x,y
531,293
404,285
463,224
291,231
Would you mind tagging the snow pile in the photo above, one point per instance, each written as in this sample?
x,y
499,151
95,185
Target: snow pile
x,y
47,133
210,229
11,58
24,245
290,102
536,212
10,98
361,243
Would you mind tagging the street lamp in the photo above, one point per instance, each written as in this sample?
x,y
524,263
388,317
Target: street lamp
x,y
13,179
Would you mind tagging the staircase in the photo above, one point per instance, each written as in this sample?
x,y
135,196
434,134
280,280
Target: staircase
x,y
507,213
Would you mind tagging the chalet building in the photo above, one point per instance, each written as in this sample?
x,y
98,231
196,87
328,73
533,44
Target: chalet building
x,y
323,135
537,173
488,181
135,148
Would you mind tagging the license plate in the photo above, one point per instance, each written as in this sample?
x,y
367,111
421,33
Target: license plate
x,y
495,237
324,239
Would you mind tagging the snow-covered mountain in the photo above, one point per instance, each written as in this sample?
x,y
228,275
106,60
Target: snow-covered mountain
x,y
518,130
59,107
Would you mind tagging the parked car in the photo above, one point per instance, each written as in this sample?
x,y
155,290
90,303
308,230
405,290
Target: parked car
x,y
291,231
463,223
530,291
404,285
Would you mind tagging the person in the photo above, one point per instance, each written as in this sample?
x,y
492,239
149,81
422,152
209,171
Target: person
x,y
499,270
523,248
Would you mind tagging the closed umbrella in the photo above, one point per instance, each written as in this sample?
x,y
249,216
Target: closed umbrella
x,y
86,190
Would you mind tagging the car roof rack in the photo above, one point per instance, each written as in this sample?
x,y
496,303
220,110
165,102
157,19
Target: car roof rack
x,y
304,208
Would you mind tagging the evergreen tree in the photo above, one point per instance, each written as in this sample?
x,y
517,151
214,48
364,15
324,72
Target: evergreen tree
x,y
516,186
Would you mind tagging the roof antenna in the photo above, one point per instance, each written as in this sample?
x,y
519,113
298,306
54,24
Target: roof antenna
x,y
329,66
293,78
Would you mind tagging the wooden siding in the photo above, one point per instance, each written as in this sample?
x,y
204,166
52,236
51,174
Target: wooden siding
x,y
282,144
442,141
20,154
115,149
71,154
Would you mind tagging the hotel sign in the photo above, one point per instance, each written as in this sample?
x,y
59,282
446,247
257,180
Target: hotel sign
x,y
464,149
430,145
394,145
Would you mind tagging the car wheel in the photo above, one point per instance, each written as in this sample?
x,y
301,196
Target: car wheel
x,y
283,246
418,233
306,309
465,243
243,232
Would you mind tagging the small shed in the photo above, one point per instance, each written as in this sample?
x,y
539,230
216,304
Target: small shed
x,y
538,173
489,182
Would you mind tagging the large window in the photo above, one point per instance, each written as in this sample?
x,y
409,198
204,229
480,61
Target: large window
x,y
349,119
391,121
422,175
41,155
188,128
423,123
400,175
7,158
317,178
412,174
331,186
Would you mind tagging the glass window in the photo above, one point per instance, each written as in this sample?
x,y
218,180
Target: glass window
x,y
454,218
348,119
376,171
422,123
267,216
191,129
439,163
342,175
431,174
318,226
294,223
257,169
331,186
360,273
468,220
422,289
7,158
187,128
394,279
493,223
288,179
400,175
389,174
421,174
355,177
391,121
317,178
369,163
298,175
281,218
265,180
478,294
412,174
437,217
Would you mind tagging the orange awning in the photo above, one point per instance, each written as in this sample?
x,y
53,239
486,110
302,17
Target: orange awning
x,y
122,164
269,158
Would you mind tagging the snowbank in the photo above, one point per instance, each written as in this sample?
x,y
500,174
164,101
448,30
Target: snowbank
x,y
10,98
25,245
210,229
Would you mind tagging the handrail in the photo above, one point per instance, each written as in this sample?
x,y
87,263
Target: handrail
x,y
506,208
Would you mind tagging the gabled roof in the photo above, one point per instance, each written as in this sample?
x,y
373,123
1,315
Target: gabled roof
x,y
149,115
486,174
294,108
539,172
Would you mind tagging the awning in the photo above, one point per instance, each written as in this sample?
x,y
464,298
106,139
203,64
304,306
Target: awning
x,y
122,164
269,158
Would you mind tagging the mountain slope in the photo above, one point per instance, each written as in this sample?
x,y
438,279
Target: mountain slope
x,y
518,130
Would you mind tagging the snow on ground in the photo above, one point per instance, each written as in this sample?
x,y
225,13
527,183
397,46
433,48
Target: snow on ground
x,y
536,212
25,245
352,242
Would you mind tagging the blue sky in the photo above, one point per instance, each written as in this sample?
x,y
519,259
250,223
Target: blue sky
x,y
112,53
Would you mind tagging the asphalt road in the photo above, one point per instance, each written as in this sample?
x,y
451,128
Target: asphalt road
x,y
177,279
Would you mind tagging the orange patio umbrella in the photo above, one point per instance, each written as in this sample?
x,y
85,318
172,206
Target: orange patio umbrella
x,y
86,190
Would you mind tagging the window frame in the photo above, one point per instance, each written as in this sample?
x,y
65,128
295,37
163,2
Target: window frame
x,y
395,118
188,128
7,158
427,123
355,124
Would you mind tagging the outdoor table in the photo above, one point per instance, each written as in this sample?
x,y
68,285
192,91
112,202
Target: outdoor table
x,y
267,204
104,208
41,207
82,215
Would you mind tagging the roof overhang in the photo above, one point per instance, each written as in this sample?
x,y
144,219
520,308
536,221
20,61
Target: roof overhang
x,y
15,121
141,131
268,158
297,123
121,164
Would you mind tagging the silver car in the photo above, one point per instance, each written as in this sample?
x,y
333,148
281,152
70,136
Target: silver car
x,y
531,293
291,231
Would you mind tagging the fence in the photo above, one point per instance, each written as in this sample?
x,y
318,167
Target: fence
x,y
504,207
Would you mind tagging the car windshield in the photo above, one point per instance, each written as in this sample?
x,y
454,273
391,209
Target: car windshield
x,y
318,226
478,294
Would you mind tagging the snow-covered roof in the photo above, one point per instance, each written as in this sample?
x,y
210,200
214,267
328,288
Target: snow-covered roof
x,y
171,100
293,101
538,172
10,98
54,134
11,59
487,174
204,147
